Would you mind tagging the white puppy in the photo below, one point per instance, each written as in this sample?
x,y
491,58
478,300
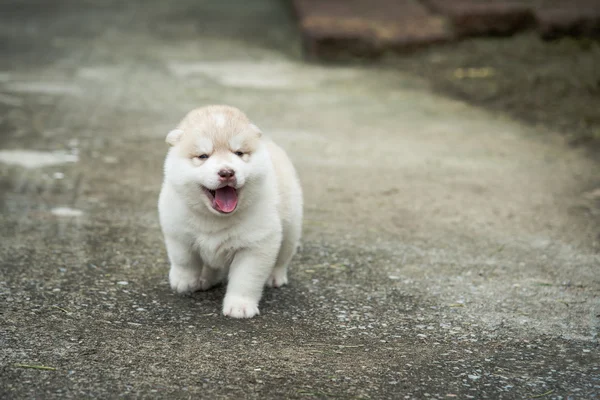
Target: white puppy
x,y
230,206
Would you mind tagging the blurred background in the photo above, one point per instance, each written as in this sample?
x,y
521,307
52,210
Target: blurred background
x,y
535,59
448,152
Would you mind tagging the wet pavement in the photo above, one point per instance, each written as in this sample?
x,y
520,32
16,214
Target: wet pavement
x,y
448,252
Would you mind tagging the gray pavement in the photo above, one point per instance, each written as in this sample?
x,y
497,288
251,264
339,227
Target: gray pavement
x,y
447,253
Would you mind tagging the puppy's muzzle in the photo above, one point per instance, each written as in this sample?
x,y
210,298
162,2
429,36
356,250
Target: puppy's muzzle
x,y
226,175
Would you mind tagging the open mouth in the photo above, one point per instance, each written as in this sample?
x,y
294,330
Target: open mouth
x,y
224,199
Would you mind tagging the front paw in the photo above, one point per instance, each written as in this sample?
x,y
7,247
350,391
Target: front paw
x,y
185,280
240,307
278,278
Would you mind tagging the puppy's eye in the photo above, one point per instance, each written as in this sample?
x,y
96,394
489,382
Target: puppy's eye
x,y
202,156
239,153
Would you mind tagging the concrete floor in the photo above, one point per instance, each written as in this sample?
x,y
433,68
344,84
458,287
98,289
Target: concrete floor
x,y
447,252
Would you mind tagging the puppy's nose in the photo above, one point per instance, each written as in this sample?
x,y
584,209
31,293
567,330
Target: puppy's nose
x,y
226,173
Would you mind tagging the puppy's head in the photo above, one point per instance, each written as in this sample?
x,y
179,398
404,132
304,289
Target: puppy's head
x,y
216,155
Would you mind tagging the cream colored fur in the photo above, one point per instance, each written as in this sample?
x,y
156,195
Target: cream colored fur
x,y
249,247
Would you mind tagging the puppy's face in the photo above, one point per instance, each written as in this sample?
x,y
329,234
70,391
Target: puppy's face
x,y
216,156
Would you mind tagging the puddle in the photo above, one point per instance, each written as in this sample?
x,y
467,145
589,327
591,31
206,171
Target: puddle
x,y
66,212
35,159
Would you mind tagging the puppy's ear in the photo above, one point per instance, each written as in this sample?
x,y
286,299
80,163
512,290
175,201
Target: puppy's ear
x,y
256,129
174,136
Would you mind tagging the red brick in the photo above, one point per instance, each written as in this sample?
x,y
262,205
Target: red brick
x,y
485,17
331,28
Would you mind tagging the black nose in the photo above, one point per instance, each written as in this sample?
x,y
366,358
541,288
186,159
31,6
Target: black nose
x,y
226,173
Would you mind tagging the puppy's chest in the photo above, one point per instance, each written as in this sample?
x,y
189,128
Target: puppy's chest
x,y
217,251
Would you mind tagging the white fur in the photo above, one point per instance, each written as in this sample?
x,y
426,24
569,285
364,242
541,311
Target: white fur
x,y
173,136
235,143
219,120
204,145
251,246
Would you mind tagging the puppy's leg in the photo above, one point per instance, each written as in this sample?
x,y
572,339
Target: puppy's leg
x,y
247,275
211,277
185,275
288,248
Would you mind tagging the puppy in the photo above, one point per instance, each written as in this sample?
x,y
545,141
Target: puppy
x,y
230,208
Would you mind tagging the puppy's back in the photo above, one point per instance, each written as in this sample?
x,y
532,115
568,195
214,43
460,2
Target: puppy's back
x,y
288,185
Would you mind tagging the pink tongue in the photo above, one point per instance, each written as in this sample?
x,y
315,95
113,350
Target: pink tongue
x,y
226,199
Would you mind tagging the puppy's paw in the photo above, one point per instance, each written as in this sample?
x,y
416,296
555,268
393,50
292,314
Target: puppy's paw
x,y
277,278
240,307
185,280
